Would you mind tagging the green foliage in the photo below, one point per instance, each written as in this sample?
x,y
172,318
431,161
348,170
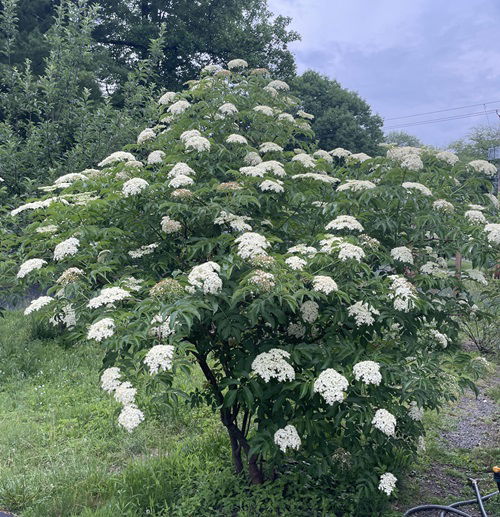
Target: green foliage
x,y
342,117
475,146
402,138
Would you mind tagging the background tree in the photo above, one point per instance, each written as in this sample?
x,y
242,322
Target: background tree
x,y
402,139
476,144
342,117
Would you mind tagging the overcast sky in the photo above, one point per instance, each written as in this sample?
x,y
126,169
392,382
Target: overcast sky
x,y
406,56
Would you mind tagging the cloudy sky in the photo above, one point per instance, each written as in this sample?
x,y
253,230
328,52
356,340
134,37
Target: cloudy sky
x,y
406,57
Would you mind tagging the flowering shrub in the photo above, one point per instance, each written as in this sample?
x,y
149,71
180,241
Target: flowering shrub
x,y
312,289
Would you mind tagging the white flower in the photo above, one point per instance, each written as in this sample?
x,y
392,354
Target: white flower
x,y
368,372
236,139
161,327
403,254
475,216
29,266
323,155
155,157
159,358
190,133
66,248
402,292
400,153
228,109
360,157
279,85
37,304
448,157
350,251
167,98
318,177
272,166
272,365
287,438
309,311
170,225
409,185
272,186
286,116
251,244
70,178
69,275
262,279
362,313
271,90
178,107
108,296
305,115
146,134
441,338
493,231
252,171
477,276
237,63
324,284
35,205
387,483
236,222
385,422
270,147
443,205
331,385
110,379
493,199
295,263
252,158
345,222
66,317
484,167
432,268
265,110
340,152
205,277
118,156
302,249
125,393
51,228
412,162
130,417
296,330
198,143
134,186
307,161
180,181
356,185
101,329
211,69
180,169
143,250
415,412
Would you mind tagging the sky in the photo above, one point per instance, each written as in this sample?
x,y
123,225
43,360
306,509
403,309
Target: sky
x,y
406,57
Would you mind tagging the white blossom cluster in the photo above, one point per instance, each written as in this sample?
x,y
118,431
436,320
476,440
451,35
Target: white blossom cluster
x,y
130,417
29,266
125,393
286,116
251,245
273,365
356,185
272,166
494,200
262,279
252,158
161,326
146,134
51,228
156,157
180,181
147,249
387,483
237,223
441,338
385,422
475,217
318,177
197,143
484,167
270,147
324,284
402,292
118,156
236,139
69,275
272,186
295,263
70,178
305,115
350,251
287,438
477,276
363,313
228,109
205,277
237,63
279,85
368,372
66,317
412,162
303,249
134,186
402,254
37,304
110,379
415,412
305,160
309,311
101,329
159,358
345,222
493,231
331,385
323,155
296,330
179,107
108,296
170,225
34,205
360,157
167,98
265,110
340,152
66,248
448,157
409,185
443,206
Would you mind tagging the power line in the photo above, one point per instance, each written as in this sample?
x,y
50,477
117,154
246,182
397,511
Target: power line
x,y
442,119
441,111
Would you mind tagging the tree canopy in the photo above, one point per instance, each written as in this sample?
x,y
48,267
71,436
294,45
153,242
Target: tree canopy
x,y
402,138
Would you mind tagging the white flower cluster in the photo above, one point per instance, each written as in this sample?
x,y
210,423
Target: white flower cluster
x,y
205,277
340,152
305,160
475,217
484,167
161,327
331,385
295,263
409,185
143,250
134,186
279,85
303,249
412,162
66,317
108,296
272,186
37,304
101,329
167,98
236,222
441,338
51,228
180,181
309,311
70,178
66,248
272,166
34,205
287,438
125,393
385,422
318,177
29,266
69,275
448,157
270,147
251,245
110,379
178,107
146,134
305,115
252,158
130,417
197,143
362,312
433,268
228,109
387,483
322,155
493,231
155,157
170,225
403,293
442,205
477,276
265,110
494,199
324,284
118,156
402,254
262,279
237,63
368,372
236,139
345,222
350,251
356,185
272,365
296,330
415,412
159,358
